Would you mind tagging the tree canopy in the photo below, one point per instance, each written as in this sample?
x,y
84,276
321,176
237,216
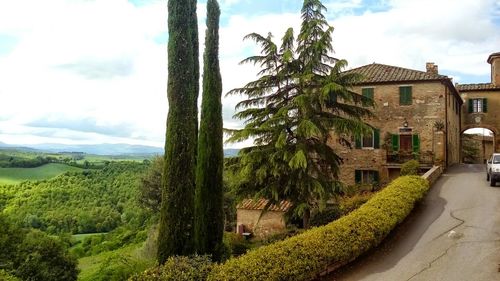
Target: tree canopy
x,y
300,97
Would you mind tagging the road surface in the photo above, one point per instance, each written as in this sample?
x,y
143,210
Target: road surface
x,y
454,234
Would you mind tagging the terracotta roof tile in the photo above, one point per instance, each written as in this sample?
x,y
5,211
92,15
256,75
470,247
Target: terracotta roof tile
x,y
377,73
476,87
261,204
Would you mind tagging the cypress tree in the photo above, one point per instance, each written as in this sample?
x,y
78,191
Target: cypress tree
x,y
177,211
209,222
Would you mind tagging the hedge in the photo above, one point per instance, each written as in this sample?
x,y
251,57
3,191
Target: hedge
x,y
305,256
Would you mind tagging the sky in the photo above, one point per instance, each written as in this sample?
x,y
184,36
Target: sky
x,y
95,71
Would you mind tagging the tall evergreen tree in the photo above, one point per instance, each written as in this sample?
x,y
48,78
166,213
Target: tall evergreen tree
x,y
300,97
209,219
177,211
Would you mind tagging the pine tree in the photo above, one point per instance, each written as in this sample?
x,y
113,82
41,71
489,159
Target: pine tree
x,y
299,98
176,229
209,219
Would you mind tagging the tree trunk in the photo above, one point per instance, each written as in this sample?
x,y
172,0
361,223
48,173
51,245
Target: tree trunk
x,y
306,217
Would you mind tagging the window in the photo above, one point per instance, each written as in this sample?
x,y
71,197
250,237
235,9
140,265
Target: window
x,y
478,105
366,176
367,93
496,159
369,140
405,95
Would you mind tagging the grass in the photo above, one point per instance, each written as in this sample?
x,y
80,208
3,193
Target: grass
x,y
17,175
89,266
80,237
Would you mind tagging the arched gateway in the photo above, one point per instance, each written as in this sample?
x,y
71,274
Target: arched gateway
x,y
481,107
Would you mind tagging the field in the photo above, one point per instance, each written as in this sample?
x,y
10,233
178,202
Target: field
x,y
121,262
17,175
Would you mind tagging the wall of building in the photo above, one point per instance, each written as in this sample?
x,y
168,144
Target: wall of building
x,y
489,120
453,126
261,223
428,103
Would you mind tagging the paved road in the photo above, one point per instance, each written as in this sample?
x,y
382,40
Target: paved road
x,y
454,234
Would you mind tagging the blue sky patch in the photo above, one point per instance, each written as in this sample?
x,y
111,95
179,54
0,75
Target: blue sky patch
x,y
7,43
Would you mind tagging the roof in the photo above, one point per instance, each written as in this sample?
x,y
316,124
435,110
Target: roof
x,y
477,87
490,58
379,73
251,204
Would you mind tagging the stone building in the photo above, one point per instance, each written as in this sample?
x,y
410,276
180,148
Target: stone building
x,y
482,102
416,116
260,218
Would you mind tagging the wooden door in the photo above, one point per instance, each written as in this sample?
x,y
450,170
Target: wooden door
x,y
405,143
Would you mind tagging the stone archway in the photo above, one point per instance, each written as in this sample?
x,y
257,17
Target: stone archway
x,y
488,144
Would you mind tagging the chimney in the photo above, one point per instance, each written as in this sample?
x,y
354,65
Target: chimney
x,y
431,68
494,60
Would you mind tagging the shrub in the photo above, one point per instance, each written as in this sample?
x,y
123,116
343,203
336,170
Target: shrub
x,y
325,216
410,168
5,276
304,256
236,244
351,203
178,269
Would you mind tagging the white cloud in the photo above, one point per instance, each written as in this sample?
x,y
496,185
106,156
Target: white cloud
x,y
99,59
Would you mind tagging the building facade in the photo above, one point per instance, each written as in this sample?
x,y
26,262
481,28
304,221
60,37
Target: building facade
x,y
482,103
416,116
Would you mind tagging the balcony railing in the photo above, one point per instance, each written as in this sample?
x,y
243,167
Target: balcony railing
x,y
400,157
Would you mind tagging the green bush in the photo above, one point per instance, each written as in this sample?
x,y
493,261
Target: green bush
x,y
178,269
410,168
304,256
5,276
235,243
325,216
351,203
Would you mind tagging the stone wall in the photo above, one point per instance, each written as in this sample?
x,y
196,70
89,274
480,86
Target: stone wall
x,y
489,120
453,131
261,223
428,106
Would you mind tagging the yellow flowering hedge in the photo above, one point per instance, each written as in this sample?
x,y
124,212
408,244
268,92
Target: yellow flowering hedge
x,y
304,256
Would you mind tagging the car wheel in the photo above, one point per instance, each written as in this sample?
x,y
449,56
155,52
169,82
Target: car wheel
x,y
487,177
492,182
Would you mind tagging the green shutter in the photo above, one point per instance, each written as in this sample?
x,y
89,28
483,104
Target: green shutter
x,y
416,143
367,93
485,105
358,141
357,176
395,143
376,138
405,97
471,105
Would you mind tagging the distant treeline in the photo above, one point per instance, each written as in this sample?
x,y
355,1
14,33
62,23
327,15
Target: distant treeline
x,y
14,161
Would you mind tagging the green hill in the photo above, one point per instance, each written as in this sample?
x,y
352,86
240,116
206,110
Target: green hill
x,y
88,201
17,175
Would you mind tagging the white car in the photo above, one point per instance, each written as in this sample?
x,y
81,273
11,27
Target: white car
x,y
493,169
